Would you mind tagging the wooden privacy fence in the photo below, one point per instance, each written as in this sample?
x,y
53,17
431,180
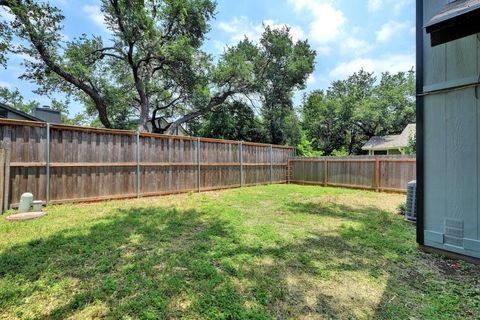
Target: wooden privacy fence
x,y
60,163
380,173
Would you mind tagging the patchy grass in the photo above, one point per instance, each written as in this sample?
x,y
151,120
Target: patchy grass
x,y
280,251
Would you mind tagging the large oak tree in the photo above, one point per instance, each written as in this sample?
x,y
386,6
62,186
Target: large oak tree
x,y
152,64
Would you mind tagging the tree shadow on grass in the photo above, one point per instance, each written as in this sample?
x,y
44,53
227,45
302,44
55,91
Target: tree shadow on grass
x,y
166,263
133,263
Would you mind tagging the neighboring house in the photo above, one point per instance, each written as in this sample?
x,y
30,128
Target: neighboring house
x,y
448,122
47,114
38,114
12,113
392,144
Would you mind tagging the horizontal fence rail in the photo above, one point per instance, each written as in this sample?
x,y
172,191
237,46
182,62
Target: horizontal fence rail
x,y
379,173
60,163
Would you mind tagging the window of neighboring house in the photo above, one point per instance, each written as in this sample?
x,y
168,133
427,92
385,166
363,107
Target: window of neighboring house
x,y
3,113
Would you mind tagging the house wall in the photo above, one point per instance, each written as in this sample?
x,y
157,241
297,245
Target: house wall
x,y
12,115
451,142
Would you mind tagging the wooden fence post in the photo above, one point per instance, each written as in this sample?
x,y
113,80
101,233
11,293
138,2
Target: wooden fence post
x,y
240,148
2,177
47,165
198,163
325,173
377,174
137,151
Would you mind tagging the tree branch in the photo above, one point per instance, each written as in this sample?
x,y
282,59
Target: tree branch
x,y
214,102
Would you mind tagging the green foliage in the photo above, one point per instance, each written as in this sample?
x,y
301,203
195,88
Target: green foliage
x,y
305,148
284,67
231,121
412,145
402,207
351,111
14,99
339,153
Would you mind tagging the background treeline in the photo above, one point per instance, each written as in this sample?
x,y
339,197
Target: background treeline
x,y
336,121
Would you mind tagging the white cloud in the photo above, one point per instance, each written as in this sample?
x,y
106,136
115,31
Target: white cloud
x,y
241,27
6,15
295,31
219,45
324,50
4,84
391,63
311,79
374,5
61,2
326,20
355,46
390,28
396,5
233,26
95,14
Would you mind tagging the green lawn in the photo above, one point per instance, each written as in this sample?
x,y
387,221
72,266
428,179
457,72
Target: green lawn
x,y
279,251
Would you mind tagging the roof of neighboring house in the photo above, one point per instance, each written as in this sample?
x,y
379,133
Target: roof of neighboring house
x,y
391,141
20,113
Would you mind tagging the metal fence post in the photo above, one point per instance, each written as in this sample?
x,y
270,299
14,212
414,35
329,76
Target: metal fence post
x,y
6,188
47,165
137,135
2,176
325,173
271,164
241,162
198,163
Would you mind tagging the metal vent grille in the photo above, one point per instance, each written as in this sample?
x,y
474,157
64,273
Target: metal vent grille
x,y
411,207
453,232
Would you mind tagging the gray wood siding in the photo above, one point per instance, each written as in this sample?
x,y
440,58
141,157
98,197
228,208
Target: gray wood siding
x,y
434,58
435,162
451,143
461,159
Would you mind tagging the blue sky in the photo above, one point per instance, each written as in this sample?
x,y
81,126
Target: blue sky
x,y
377,35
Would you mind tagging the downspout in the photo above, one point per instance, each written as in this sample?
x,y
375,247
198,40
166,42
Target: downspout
x,y
419,125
